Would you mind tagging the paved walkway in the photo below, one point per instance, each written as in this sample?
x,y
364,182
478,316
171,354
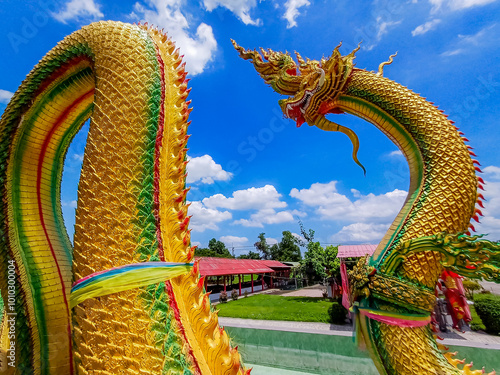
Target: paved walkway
x,y
469,338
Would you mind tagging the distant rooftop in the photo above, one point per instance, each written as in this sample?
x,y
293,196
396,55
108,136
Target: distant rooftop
x,y
355,251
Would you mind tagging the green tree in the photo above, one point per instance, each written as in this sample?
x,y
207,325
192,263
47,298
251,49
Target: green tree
x,y
287,249
215,249
331,262
264,247
251,255
313,263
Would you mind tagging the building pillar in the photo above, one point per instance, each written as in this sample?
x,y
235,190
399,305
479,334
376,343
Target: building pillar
x,y
263,280
251,278
224,277
239,282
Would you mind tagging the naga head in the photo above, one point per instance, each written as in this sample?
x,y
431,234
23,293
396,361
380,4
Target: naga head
x,y
312,86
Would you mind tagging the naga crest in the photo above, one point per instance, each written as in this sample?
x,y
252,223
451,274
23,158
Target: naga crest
x,y
311,85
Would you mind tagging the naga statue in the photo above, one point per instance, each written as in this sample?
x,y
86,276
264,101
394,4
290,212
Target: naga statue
x,y
126,297
392,292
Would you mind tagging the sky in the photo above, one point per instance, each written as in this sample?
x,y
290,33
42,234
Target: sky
x,y
251,170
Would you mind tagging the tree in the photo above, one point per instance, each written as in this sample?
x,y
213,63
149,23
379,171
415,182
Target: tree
x,y
215,249
287,249
263,247
332,263
251,255
313,264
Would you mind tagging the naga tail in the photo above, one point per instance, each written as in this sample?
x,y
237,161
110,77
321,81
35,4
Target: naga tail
x,y
131,233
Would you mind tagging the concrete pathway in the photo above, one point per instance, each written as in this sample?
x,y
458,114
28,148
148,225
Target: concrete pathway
x,y
469,338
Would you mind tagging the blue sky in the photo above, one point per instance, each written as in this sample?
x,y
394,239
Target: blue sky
x,y
252,171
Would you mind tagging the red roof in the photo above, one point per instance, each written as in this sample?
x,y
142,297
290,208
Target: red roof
x,y
226,266
347,251
275,264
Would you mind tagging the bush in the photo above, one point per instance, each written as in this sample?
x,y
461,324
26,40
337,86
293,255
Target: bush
x,y
234,295
337,313
488,308
223,297
470,287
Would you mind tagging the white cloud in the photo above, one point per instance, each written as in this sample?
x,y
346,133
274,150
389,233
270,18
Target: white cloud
x,y
396,153
484,37
79,10
71,204
271,241
253,198
426,27
240,8
233,240
269,216
382,28
206,218
331,205
490,223
360,233
5,96
292,11
197,50
205,170
457,4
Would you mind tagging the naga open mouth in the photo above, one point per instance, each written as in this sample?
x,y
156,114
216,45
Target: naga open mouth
x,y
296,109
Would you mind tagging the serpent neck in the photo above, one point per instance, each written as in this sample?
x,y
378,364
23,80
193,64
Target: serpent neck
x,y
443,185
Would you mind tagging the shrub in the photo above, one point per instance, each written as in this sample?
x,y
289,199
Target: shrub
x,y
234,295
470,287
488,308
223,297
337,313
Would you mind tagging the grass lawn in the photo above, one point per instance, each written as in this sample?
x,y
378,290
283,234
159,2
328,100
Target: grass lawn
x,y
268,307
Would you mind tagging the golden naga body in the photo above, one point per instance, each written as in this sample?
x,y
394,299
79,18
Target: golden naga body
x,y
392,293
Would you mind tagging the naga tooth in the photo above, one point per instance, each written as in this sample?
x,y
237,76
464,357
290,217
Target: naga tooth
x,y
478,211
480,196
480,179
472,154
480,203
465,139
467,233
476,218
472,227
474,161
478,170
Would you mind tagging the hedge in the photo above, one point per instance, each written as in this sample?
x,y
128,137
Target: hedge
x,y
488,308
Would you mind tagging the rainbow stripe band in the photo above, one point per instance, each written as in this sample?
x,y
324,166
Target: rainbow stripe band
x,y
123,278
395,318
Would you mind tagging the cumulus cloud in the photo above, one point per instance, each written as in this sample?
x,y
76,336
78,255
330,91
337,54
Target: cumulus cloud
x,y
79,10
241,8
205,170
426,27
292,11
253,198
5,96
206,218
382,27
360,233
329,204
233,240
197,49
269,216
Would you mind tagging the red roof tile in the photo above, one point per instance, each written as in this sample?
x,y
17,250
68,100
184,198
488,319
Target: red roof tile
x,y
226,266
347,251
